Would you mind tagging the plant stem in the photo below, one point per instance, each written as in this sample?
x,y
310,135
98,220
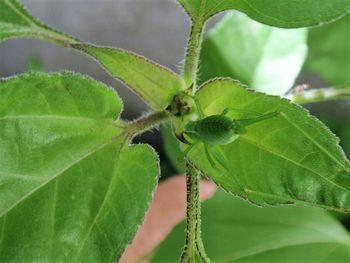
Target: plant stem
x,y
320,95
192,56
145,123
194,248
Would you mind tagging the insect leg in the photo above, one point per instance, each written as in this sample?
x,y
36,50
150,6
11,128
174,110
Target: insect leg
x,y
222,160
212,163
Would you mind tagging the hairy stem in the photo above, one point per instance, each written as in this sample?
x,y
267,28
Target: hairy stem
x,y
145,123
192,56
194,249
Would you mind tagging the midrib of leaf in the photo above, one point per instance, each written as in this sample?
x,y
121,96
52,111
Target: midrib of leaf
x,y
57,174
123,66
135,69
30,21
52,117
260,147
205,15
297,243
208,14
201,14
93,223
40,29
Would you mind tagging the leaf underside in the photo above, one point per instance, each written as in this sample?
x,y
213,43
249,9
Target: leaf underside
x,y
279,13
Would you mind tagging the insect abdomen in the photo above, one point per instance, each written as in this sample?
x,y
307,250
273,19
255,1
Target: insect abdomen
x,y
216,129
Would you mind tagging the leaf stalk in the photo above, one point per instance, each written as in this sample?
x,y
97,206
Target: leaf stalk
x,y
146,123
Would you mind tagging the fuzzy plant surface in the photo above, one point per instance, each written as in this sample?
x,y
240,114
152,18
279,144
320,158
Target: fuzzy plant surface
x,y
74,187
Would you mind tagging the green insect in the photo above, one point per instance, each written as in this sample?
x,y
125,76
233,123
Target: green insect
x,y
216,130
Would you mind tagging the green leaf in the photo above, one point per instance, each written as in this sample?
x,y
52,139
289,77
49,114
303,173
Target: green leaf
x,y
279,13
235,231
243,49
69,188
289,158
329,54
155,84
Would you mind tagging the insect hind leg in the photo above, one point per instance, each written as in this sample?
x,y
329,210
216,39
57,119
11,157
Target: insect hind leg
x,y
227,110
219,156
210,159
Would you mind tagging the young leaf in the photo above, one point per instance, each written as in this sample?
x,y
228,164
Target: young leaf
x,y
329,54
155,84
69,187
243,49
279,13
235,231
289,158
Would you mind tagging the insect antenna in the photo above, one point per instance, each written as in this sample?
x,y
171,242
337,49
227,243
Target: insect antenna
x,y
247,122
227,110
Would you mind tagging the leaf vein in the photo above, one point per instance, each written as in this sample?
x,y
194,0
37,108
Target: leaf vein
x,y
294,162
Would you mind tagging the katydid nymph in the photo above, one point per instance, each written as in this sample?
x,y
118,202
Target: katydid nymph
x,y
217,130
